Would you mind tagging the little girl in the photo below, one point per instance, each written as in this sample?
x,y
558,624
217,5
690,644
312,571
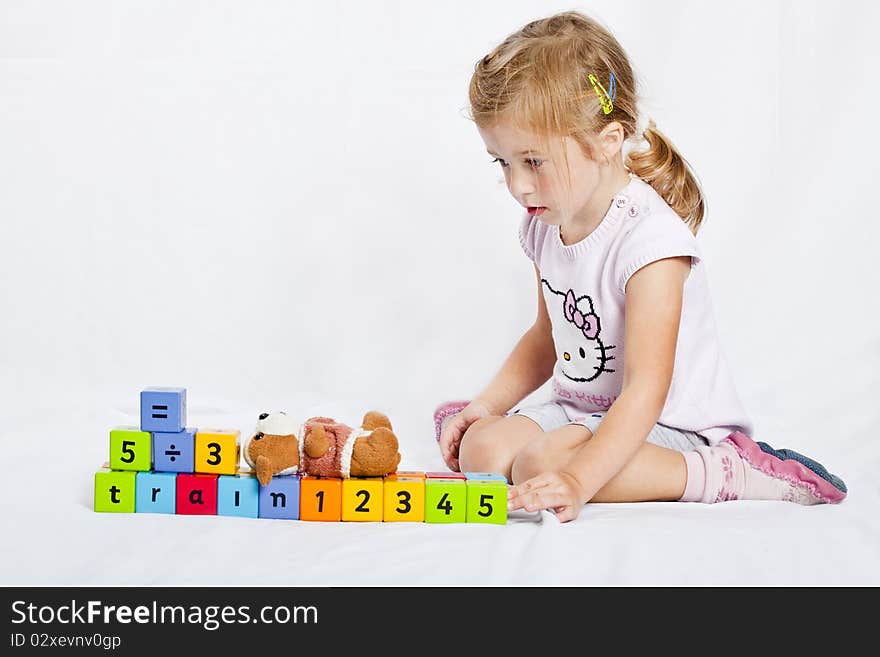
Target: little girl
x,y
643,406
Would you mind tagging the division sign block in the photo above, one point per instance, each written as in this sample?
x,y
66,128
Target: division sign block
x,y
174,452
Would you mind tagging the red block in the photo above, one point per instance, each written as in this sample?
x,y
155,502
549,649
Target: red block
x,y
197,494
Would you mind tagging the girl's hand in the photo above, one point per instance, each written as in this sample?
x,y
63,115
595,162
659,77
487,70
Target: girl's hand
x,y
450,437
559,491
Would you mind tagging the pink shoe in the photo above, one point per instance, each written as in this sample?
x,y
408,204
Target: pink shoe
x,y
799,478
445,410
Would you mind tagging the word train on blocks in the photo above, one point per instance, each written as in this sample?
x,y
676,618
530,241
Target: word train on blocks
x,y
163,466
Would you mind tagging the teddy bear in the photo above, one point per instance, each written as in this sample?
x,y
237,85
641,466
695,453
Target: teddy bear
x,y
273,449
333,449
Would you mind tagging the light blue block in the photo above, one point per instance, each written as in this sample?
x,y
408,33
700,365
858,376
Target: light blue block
x,y
239,495
174,452
163,409
155,492
280,499
485,476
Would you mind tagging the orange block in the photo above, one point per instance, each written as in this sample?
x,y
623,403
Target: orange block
x,y
320,498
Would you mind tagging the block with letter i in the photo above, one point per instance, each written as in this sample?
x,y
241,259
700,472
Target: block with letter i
x,y
130,449
362,499
238,495
163,409
320,498
156,492
217,451
487,500
115,491
445,500
404,499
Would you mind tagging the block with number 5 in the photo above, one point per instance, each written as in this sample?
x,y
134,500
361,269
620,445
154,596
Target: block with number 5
x,y
130,449
217,451
445,500
487,501
404,499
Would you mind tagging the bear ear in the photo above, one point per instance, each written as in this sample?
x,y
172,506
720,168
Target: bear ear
x,y
374,420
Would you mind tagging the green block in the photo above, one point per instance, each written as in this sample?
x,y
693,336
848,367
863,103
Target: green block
x,y
487,501
114,491
130,449
445,500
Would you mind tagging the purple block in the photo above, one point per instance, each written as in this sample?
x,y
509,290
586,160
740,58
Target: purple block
x,y
163,409
175,452
280,499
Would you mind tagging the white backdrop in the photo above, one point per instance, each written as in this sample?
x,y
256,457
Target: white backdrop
x,y
282,205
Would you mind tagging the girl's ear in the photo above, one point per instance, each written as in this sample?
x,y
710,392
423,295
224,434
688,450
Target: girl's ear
x,y
611,139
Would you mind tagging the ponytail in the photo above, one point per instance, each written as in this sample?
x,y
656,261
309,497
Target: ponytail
x,y
664,168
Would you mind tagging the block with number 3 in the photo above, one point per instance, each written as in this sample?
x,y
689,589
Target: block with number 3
x,y
404,499
217,451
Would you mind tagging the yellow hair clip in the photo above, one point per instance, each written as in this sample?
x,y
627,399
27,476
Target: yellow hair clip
x,y
606,98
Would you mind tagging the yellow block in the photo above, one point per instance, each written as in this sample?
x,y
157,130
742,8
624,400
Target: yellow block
x,y
404,499
217,451
362,499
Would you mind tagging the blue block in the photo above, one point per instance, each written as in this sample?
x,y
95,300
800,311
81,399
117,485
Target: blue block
x,y
175,452
155,492
238,495
280,499
485,476
163,409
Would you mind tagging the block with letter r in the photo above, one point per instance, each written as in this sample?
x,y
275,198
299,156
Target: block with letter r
x,y
163,409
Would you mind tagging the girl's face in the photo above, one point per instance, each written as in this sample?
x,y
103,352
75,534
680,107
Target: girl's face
x,y
536,178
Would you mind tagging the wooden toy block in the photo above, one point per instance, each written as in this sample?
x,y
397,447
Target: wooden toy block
x,y
444,475
320,498
280,499
174,452
196,494
445,500
485,476
362,499
407,473
487,501
130,449
217,451
238,495
163,409
115,491
156,492
404,499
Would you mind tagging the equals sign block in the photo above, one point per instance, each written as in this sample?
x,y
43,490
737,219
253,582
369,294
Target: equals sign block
x,y
163,409
174,452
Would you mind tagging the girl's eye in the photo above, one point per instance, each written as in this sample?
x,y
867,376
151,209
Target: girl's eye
x,y
534,163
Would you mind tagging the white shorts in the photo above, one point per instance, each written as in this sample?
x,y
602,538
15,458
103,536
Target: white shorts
x,y
551,415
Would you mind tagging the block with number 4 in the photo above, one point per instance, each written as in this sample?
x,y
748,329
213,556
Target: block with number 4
x,y
487,501
404,499
445,500
362,499
217,451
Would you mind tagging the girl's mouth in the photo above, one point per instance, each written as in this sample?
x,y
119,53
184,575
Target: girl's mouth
x,y
536,211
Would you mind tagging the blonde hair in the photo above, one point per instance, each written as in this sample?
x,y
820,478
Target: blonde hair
x,y
538,78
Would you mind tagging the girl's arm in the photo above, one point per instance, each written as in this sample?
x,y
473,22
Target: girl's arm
x,y
527,368
652,316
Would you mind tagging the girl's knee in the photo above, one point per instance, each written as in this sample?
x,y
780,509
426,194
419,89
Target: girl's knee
x,y
479,445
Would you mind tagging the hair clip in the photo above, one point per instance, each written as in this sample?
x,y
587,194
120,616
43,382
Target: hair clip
x,y
608,99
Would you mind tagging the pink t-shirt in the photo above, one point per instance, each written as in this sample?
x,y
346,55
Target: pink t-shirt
x,y
584,286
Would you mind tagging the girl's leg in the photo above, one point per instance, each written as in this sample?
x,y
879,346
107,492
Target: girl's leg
x,y
491,443
654,474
